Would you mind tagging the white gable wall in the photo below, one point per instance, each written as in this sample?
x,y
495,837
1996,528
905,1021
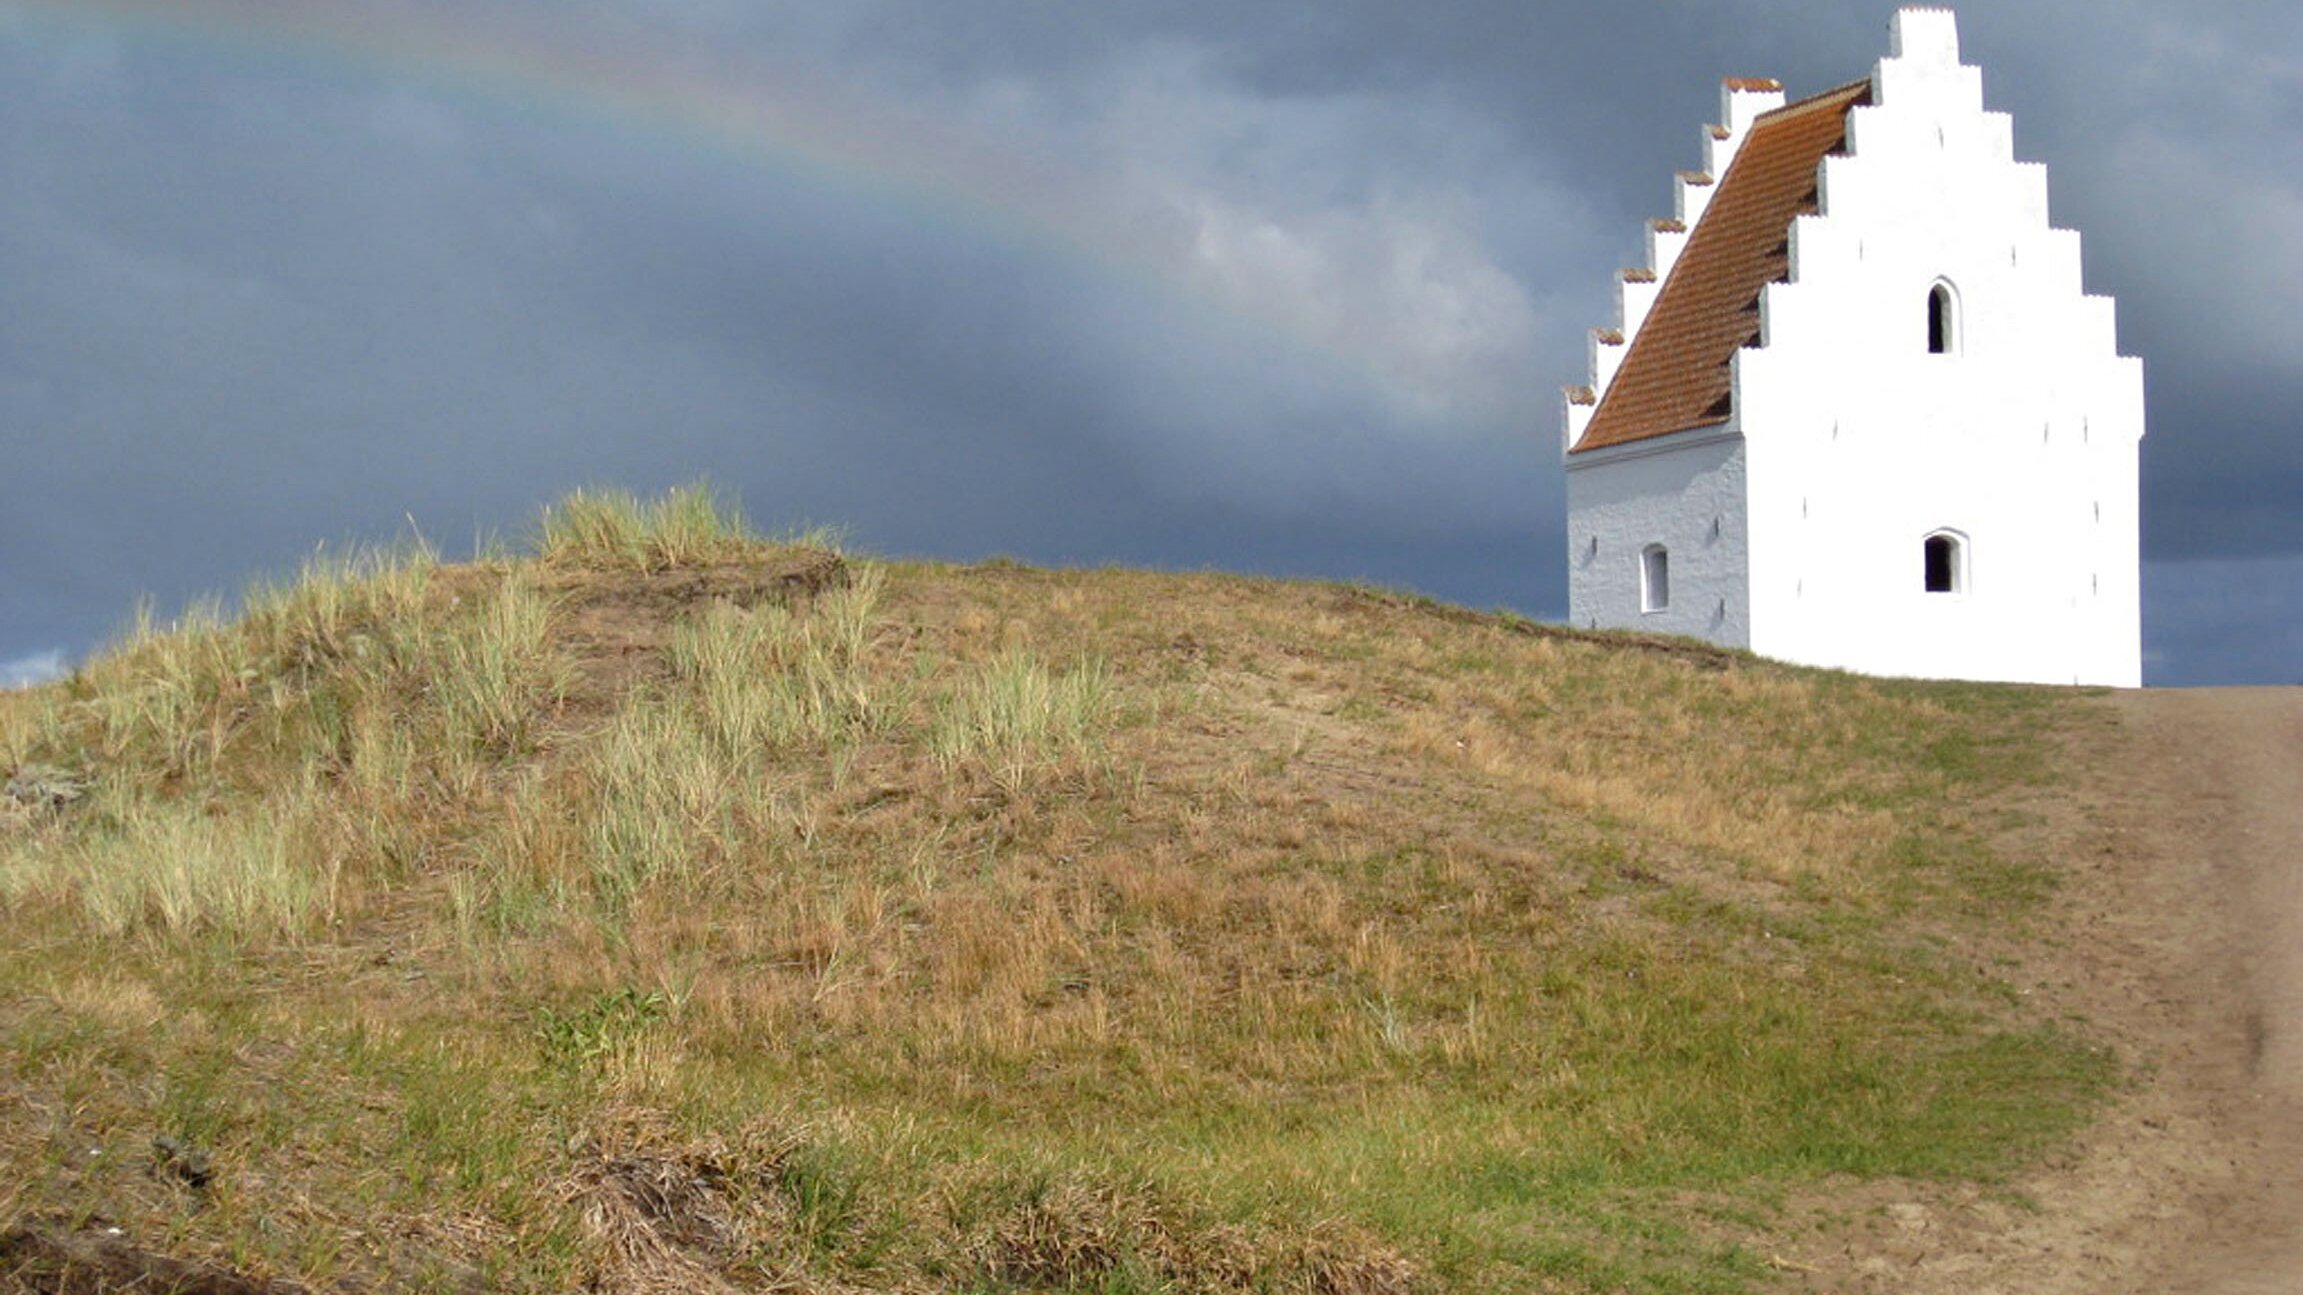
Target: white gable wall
x,y
1861,442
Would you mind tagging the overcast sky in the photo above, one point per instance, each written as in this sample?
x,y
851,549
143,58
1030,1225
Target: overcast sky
x,y
1267,286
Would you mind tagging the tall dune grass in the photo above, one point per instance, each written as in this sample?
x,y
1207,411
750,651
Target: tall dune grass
x,y
1016,716
175,868
614,528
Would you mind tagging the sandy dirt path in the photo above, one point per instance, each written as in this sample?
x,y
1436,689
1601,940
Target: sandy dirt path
x,y
2216,805
2179,941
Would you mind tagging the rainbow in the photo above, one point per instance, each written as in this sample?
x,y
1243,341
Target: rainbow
x,y
795,121
801,124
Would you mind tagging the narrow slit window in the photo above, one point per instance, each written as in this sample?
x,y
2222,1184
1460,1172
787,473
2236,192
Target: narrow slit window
x,y
1654,578
1942,321
1944,558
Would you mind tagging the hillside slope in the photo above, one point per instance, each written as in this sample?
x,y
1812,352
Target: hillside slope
x,y
676,910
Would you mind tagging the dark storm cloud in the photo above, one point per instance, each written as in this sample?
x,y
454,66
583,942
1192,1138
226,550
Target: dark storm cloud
x,y
1285,288
2192,638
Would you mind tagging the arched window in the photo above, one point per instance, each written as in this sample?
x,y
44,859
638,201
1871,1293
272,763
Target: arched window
x,y
1654,578
1944,562
1942,320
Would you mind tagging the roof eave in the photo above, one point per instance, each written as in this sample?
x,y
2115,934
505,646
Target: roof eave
x,y
1728,428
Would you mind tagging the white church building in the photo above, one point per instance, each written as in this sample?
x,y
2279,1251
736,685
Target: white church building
x,y
1859,411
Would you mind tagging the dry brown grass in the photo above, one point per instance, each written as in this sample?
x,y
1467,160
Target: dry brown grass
x,y
1083,930
662,1216
1083,1233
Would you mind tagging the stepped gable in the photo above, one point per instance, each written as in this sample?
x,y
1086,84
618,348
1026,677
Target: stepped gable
x,y
1676,376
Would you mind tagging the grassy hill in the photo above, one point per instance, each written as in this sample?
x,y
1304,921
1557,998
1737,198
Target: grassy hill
x,y
677,910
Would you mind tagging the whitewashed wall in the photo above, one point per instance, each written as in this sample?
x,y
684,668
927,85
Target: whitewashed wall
x,y
1686,493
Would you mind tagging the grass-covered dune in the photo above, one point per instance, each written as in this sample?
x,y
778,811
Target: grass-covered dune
x,y
673,909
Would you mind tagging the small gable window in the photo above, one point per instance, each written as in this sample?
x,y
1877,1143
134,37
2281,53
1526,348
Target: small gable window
x,y
1654,578
1942,320
1944,557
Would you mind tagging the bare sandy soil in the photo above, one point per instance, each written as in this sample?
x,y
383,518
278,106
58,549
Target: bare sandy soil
x,y
2182,945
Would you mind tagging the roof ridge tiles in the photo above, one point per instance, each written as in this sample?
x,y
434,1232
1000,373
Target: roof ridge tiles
x,y
1833,97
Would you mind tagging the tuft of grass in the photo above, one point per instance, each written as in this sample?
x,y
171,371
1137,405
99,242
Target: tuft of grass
x,y
598,1030
770,678
664,793
495,676
339,608
692,525
173,868
1015,716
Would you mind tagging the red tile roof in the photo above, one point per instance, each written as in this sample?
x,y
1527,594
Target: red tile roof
x,y
1675,377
